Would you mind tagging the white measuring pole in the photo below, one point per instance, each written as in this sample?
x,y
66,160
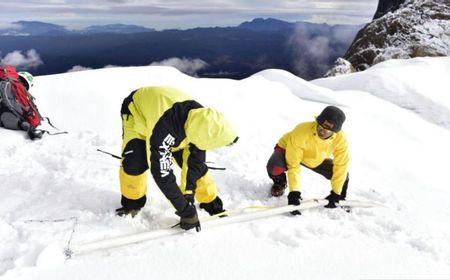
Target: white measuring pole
x,y
78,249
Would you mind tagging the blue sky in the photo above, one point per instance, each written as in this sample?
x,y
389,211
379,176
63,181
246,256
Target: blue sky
x,y
163,14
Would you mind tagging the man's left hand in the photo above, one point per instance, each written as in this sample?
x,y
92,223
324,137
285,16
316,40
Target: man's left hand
x,y
332,198
294,198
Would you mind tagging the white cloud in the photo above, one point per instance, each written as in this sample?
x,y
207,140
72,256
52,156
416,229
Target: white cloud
x,y
78,68
22,62
5,25
345,35
309,49
185,65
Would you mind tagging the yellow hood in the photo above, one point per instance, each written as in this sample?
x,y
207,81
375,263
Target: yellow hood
x,y
208,129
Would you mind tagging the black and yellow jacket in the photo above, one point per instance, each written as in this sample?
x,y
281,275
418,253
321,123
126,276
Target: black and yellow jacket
x,y
303,146
169,120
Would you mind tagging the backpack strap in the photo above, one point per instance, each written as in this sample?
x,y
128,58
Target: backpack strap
x,y
52,133
49,122
8,100
33,106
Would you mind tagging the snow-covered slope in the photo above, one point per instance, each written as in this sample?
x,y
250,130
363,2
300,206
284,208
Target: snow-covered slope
x,y
60,189
420,85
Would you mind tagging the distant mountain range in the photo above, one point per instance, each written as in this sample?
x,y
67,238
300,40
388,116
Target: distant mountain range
x,y
37,28
305,49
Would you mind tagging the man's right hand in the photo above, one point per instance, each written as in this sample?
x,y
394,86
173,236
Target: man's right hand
x,y
189,218
294,198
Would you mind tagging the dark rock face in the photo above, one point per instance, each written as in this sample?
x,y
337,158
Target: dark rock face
x,y
386,6
409,28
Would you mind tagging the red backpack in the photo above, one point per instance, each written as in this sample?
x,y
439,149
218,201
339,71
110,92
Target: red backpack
x,y
15,97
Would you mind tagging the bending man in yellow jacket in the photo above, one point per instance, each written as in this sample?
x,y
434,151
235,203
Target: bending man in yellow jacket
x,y
161,123
311,144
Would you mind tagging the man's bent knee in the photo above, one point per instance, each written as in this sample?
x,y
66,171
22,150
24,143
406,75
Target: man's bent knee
x,y
134,157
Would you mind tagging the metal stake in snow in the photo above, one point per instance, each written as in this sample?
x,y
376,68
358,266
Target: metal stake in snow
x,y
117,157
108,153
210,223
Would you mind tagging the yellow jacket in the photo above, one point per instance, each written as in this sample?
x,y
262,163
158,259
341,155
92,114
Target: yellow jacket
x,y
169,120
303,146
204,127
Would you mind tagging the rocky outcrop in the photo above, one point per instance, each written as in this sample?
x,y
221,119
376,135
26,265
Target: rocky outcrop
x,y
402,29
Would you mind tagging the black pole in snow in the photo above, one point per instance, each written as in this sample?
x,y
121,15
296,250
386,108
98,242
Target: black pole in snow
x,y
105,152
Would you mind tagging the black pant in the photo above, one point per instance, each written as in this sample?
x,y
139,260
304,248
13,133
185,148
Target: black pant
x,y
326,169
276,168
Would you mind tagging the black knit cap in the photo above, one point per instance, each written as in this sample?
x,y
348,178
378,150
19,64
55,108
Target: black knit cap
x,y
331,118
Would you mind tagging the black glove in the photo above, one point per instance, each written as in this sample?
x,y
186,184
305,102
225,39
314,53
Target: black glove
x,y
35,134
294,198
332,198
214,207
189,218
124,211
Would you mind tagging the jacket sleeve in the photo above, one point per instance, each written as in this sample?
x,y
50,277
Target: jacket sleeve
x,y
340,165
195,168
161,167
294,156
166,180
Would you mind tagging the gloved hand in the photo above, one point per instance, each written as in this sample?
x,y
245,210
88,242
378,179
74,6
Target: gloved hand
x,y
214,207
123,211
189,218
332,198
294,198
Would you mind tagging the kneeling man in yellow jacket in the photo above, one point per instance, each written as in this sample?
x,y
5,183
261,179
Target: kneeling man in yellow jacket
x,y
161,124
311,144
